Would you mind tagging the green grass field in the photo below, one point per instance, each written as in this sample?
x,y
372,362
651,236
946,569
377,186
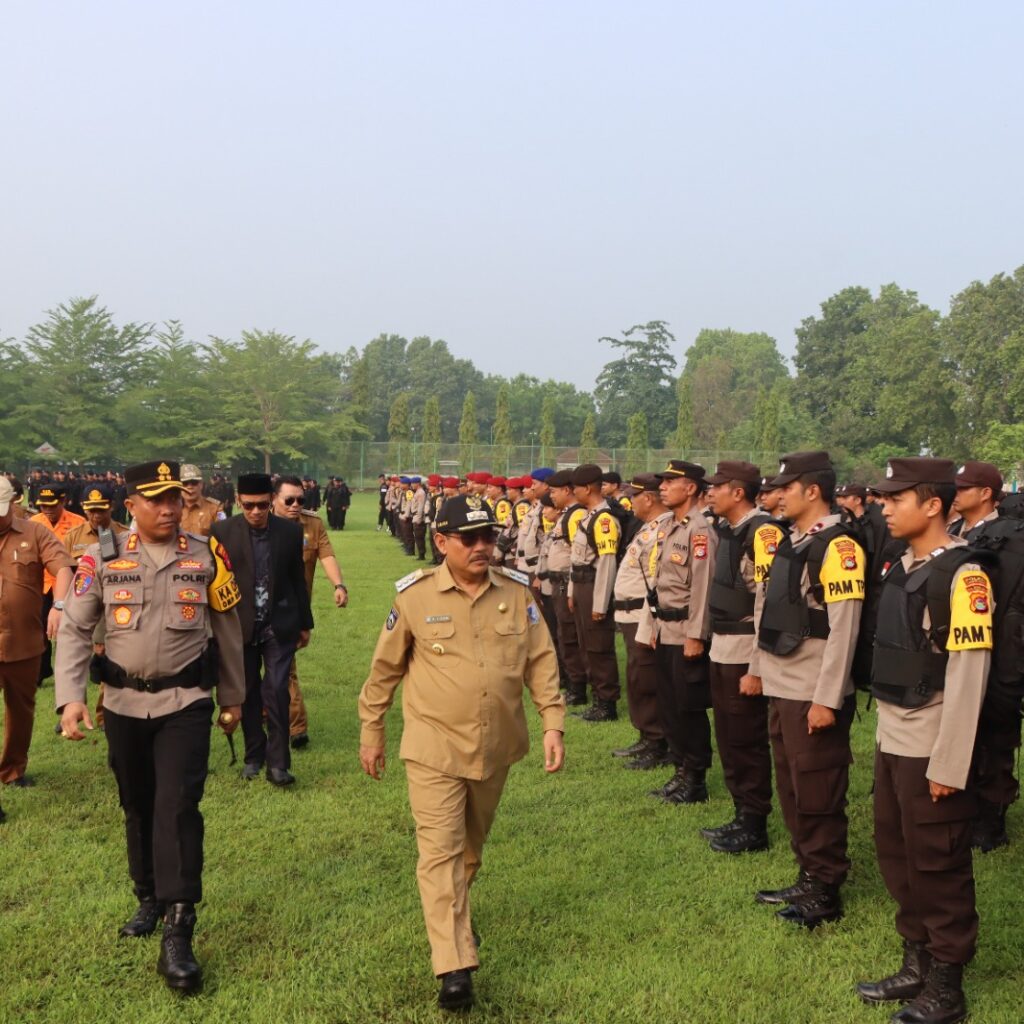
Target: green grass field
x,y
595,902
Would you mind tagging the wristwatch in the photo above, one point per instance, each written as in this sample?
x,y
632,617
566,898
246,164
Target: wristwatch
x,y
58,606
341,586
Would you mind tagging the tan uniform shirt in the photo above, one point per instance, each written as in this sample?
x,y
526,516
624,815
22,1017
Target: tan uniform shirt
x,y
818,670
528,541
943,730
27,550
465,661
547,587
199,518
80,538
686,566
418,506
316,544
638,568
604,560
155,601
964,529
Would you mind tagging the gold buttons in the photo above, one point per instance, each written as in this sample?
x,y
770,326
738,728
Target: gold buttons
x,y
502,607
437,648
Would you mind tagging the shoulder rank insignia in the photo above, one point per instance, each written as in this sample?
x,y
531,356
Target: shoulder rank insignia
x,y
514,574
407,581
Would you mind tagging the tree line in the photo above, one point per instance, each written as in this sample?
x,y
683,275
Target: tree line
x,y
874,374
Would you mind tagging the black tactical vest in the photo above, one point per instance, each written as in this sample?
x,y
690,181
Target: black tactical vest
x,y
787,619
729,599
907,669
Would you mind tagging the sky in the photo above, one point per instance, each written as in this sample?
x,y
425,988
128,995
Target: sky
x,y
518,179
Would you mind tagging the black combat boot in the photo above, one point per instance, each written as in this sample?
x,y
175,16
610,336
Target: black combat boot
x,y
819,905
633,750
456,991
655,756
988,831
694,790
776,897
602,711
751,836
576,696
671,786
177,962
143,921
721,830
941,1000
905,984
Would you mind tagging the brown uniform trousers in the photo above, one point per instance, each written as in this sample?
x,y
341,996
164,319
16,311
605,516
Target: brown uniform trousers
x,y
642,685
994,749
924,854
597,642
568,639
741,734
684,695
812,775
19,680
547,609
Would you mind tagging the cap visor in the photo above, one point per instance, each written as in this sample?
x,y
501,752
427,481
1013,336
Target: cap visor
x,y
669,474
468,527
713,481
152,490
893,486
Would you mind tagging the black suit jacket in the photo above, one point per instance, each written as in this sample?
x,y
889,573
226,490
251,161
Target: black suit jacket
x,y
289,601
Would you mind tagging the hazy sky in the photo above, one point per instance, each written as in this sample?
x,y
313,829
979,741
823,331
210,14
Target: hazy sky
x,y
518,179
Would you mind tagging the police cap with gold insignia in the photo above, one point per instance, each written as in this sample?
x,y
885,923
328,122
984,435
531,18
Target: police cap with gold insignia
x,y
465,512
903,474
585,475
152,478
641,482
97,495
50,495
726,472
796,464
680,467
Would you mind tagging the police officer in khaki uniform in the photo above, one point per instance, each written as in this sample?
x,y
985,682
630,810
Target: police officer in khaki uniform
x,y
418,518
679,624
200,512
933,647
466,637
289,498
162,597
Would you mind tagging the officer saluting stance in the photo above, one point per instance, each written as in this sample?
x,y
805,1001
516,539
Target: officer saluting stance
x,y
161,595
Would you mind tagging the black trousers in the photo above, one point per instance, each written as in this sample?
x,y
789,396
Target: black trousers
x,y
267,665
547,609
419,534
160,765
342,512
382,516
684,695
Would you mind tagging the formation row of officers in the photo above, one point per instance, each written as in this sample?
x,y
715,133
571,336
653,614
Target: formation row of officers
x,y
745,595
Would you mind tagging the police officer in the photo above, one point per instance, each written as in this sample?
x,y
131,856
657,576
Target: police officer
x,y
611,489
162,597
747,542
418,518
679,626
769,498
199,513
807,620
467,637
933,647
636,575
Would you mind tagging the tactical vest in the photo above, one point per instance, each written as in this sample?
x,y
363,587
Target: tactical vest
x,y
906,669
786,619
729,599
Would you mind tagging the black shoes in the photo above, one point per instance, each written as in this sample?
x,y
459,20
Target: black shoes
x,y
776,897
906,983
633,749
602,711
456,991
721,830
941,1000
177,962
143,921
251,771
656,756
575,698
750,836
280,777
3,817
670,787
819,904
300,740
22,782
691,789
988,832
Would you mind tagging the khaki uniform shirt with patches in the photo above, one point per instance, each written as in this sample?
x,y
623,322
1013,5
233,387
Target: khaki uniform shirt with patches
x,y
607,536
81,538
199,518
686,566
944,729
637,570
316,545
155,603
418,506
528,541
465,661
818,670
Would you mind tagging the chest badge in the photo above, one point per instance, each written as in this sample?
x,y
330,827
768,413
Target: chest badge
x,y
122,616
502,607
188,612
437,648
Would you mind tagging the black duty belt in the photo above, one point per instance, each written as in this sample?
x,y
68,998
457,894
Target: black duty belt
x,y
190,677
672,614
532,561
630,604
558,576
583,574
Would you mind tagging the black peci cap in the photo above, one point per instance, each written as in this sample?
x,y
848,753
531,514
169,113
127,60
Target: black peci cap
x,y
256,483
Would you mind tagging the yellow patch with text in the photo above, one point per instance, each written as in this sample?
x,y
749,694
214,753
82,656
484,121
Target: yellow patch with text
x,y
223,592
606,534
842,571
767,539
970,621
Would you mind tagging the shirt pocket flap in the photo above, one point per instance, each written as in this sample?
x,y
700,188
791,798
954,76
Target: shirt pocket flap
x,y
439,630
509,627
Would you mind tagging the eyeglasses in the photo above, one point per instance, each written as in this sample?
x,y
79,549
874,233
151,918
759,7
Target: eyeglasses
x,y
255,506
471,538
293,501
191,483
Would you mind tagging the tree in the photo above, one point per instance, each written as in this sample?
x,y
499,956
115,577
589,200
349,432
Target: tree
x,y
468,432
637,443
641,380
547,431
588,439
399,430
502,427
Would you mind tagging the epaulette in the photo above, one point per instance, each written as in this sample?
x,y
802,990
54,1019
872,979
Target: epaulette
x,y
407,581
309,512
514,574
205,541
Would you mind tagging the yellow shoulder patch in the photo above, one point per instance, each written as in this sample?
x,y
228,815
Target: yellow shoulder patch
x,y
606,533
626,503
223,592
573,524
767,539
842,571
970,624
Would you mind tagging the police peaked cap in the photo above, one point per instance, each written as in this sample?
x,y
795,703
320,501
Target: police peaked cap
x,y
796,464
465,512
903,474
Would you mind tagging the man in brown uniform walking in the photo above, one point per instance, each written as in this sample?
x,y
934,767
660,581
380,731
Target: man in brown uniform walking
x,y
466,637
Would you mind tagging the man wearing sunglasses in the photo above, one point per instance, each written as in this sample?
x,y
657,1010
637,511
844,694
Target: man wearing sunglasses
x,y
466,637
266,552
289,500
